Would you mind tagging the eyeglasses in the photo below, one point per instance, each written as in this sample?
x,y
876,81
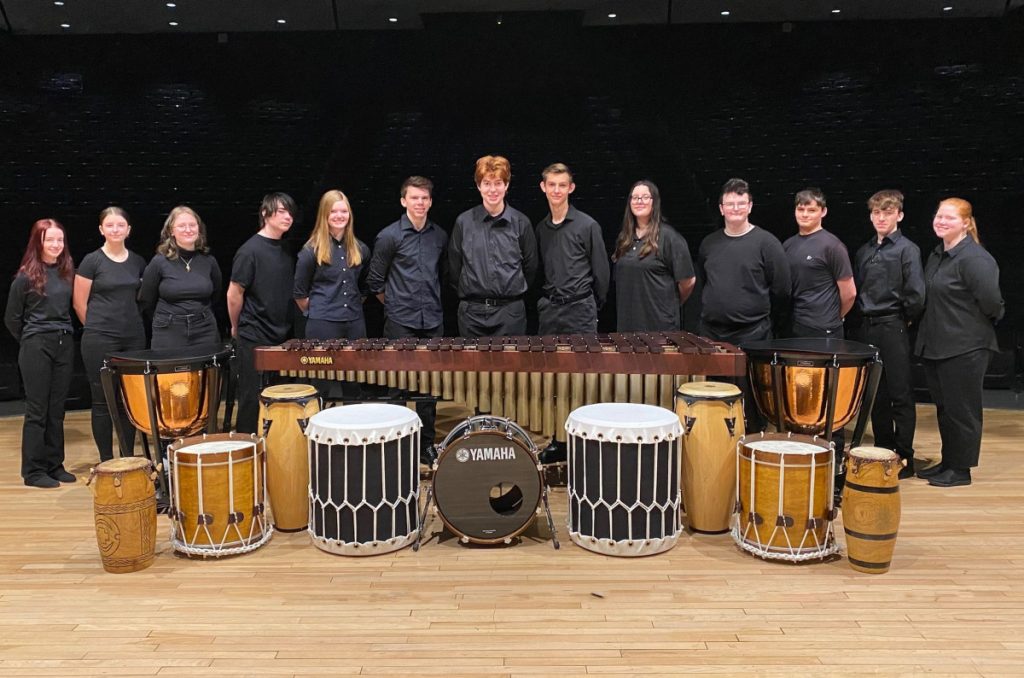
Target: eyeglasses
x,y
642,199
735,205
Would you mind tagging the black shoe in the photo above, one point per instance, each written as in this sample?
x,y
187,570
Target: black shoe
x,y
64,477
428,455
931,471
951,477
42,481
908,470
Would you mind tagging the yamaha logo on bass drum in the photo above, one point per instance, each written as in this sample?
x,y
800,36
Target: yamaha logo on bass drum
x,y
486,454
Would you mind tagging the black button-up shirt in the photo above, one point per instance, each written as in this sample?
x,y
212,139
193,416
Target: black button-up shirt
x,y
407,267
334,291
889,277
963,302
492,257
575,261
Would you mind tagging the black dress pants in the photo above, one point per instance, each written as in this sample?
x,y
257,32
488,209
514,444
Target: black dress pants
x,y
480,319
46,360
956,385
576,317
894,417
95,347
249,386
426,409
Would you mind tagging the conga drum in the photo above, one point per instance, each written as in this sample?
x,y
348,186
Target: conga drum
x,y
871,508
712,417
784,490
285,411
124,501
623,478
364,478
488,482
218,494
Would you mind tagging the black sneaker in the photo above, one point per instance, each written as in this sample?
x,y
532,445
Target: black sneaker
x,y
42,481
951,477
428,455
64,477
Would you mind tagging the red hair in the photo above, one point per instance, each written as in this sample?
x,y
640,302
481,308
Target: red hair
x,y
32,263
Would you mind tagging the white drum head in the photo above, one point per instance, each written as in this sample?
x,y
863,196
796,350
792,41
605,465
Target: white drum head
x,y
873,454
784,447
624,422
709,390
363,423
216,446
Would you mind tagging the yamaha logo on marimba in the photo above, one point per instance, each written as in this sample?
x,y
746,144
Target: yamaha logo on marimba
x,y
486,454
316,360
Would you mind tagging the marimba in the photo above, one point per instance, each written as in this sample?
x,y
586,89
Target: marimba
x,y
536,381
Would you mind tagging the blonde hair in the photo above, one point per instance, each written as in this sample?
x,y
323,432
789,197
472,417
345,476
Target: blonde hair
x,y
168,246
320,238
966,212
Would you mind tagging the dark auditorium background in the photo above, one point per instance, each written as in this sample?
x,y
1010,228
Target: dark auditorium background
x,y
120,107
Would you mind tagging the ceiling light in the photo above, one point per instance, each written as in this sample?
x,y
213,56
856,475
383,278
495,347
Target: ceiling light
x,y
282,21
948,8
393,19
725,13
58,3
172,23
65,25
612,15
836,11
171,5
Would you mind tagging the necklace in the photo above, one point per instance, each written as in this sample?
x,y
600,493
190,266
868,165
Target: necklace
x,y
187,262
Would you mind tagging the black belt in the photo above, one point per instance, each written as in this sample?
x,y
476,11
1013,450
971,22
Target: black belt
x,y
492,301
562,301
187,318
878,319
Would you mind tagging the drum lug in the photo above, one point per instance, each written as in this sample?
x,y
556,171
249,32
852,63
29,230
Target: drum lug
x,y
303,423
730,423
755,518
814,523
236,517
257,510
784,521
204,519
266,427
833,513
688,424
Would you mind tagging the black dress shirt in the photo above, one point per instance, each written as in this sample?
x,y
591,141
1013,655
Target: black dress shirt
x,y
889,277
335,291
407,266
575,261
963,302
492,257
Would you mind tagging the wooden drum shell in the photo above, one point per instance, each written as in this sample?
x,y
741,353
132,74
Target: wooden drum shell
x,y
871,508
124,501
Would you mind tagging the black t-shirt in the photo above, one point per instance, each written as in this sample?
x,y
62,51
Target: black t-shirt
x,y
816,262
647,290
113,307
267,271
744,276
169,286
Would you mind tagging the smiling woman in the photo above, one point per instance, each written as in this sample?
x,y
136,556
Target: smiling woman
x,y
39,317
180,283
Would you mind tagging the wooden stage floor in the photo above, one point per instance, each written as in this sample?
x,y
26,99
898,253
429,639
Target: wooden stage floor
x,y
952,604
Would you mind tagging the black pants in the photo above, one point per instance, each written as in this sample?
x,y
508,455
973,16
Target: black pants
x,y
95,347
739,335
249,386
477,319
426,409
329,329
177,331
46,360
894,417
578,316
956,384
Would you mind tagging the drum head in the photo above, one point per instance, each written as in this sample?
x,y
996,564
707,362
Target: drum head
x,y
624,422
708,390
288,392
184,359
123,465
873,454
487,486
364,423
810,346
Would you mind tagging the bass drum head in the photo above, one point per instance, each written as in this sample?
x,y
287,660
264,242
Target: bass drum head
x,y
487,487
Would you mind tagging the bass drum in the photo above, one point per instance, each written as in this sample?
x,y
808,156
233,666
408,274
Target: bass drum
x,y
487,480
